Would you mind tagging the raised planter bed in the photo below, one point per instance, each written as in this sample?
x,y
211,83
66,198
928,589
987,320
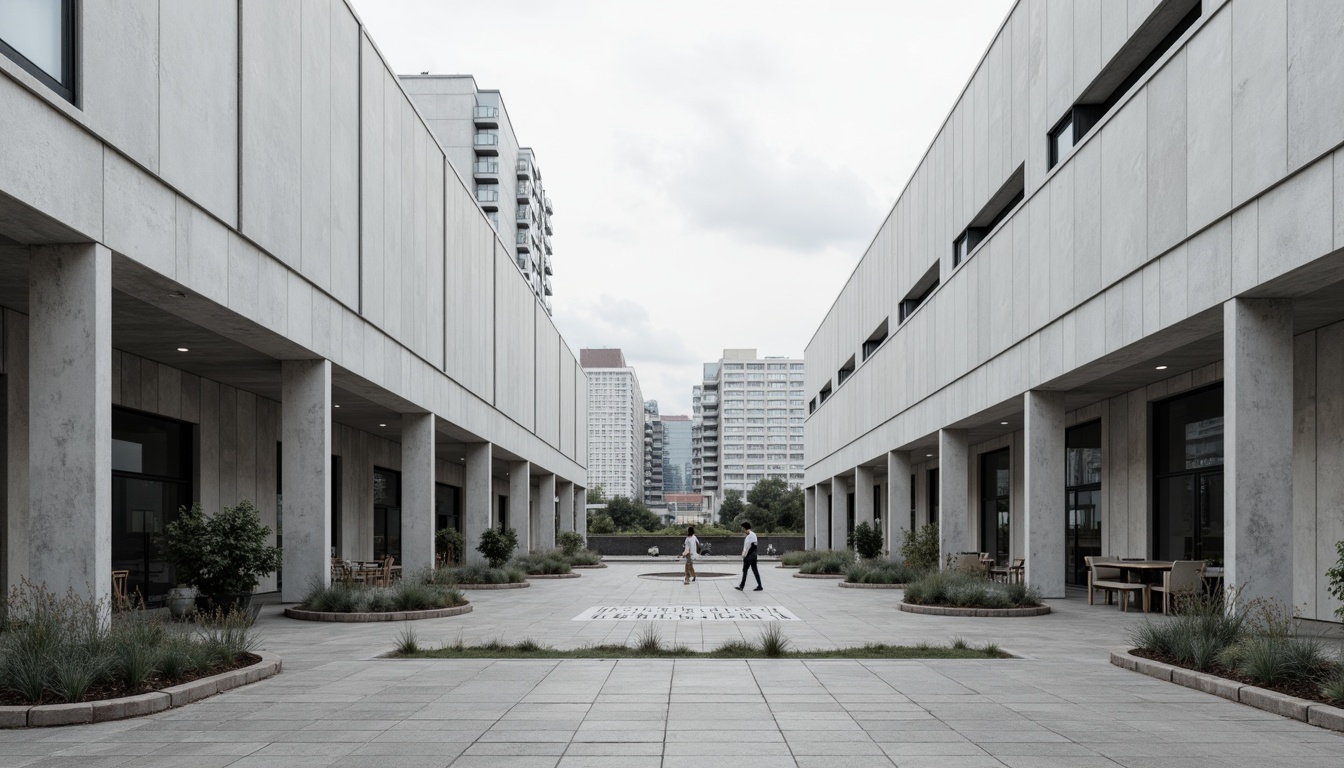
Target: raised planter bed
x,y
791,567
42,715
1313,712
852,585
514,585
599,565
818,575
947,610
553,575
433,613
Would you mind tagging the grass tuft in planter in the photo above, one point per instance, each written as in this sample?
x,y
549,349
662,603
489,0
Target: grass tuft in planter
x,y
881,572
966,590
831,562
550,563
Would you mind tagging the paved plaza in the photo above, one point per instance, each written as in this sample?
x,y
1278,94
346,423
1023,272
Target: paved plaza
x,y
338,704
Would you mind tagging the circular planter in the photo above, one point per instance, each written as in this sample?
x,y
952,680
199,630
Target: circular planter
x,y
515,585
599,565
852,585
947,610
142,704
433,613
818,575
554,575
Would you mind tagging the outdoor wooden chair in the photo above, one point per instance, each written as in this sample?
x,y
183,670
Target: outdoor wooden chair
x,y
120,600
969,562
1186,577
1017,570
1108,580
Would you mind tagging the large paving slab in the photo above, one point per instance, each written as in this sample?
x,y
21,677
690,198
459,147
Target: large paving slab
x,y
337,704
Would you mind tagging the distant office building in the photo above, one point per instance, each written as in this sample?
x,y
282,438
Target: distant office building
x,y
474,130
748,426
676,455
615,423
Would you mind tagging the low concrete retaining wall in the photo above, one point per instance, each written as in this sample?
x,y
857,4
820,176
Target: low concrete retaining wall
x,y
818,575
514,585
355,618
941,610
852,585
670,546
1315,713
553,575
43,715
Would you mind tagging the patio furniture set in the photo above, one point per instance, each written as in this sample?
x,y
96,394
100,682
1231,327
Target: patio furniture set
x,y
981,564
375,573
1139,577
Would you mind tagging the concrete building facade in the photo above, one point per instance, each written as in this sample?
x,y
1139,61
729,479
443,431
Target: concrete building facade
x,y
1106,315
748,423
221,284
615,423
474,130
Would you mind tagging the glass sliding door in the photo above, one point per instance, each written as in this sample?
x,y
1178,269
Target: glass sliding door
x,y
1082,481
151,482
996,488
1188,477
386,514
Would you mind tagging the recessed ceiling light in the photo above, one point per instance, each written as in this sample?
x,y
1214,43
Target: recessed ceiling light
x,y
928,454
183,349
336,406
382,425
1161,367
1004,423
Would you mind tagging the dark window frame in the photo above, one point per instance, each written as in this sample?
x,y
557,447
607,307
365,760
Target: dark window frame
x,y
66,88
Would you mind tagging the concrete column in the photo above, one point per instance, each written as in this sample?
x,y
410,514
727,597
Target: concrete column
x,y
1258,448
1043,455
520,502
16,450
305,445
839,511
581,511
545,534
863,496
898,499
809,517
478,498
70,419
417,491
953,492
822,508
565,506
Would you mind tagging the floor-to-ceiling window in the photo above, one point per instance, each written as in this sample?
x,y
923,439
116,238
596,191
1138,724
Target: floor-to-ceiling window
x,y
1082,499
913,523
151,481
996,487
386,514
931,491
1188,477
447,503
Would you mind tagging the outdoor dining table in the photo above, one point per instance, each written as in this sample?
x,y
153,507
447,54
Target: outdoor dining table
x,y
1142,571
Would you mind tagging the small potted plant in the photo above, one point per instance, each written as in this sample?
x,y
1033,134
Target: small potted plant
x,y
223,555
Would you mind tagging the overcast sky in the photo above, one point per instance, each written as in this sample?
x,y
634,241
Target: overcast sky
x,y
718,167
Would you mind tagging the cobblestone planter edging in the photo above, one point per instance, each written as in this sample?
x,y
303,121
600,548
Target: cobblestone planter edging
x,y
852,585
818,575
1314,713
599,565
432,613
554,575
791,567
943,610
514,585
42,715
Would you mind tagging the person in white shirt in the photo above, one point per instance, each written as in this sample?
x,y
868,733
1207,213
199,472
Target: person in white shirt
x,y
689,551
749,559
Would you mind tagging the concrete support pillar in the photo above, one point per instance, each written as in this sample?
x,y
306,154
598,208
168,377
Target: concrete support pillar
x,y
581,511
545,533
898,499
822,507
565,506
16,451
478,498
305,444
520,503
70,419
1043,454
810,518
953,492
839,511
864,511
417,491
1258,448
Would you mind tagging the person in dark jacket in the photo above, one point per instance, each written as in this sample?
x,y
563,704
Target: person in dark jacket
x,y
749,559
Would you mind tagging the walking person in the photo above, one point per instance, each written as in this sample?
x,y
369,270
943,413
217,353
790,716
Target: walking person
x,y
689,551
749,559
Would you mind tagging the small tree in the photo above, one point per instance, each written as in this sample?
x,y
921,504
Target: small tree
x,y
450,545
866,540
1336,578
226,553
601,524
497,544
570,542
597,495
920,548
731,508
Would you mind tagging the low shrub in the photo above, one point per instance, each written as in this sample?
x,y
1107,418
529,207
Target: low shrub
x,y
585,557
866,539
831,562
965,590
881,572
1332,688
497,545
481,574
920,547
1206,627
423,592
550,563
570,542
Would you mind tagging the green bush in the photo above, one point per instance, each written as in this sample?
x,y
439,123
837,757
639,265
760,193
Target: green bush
x,y
920,548
1332,688
866,539
570,542
835,562
601,524
450,545
497,544
221,554
1269,659
1208,624
424,591
964,590
797,558
481,574
881,572
584,557
551,563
